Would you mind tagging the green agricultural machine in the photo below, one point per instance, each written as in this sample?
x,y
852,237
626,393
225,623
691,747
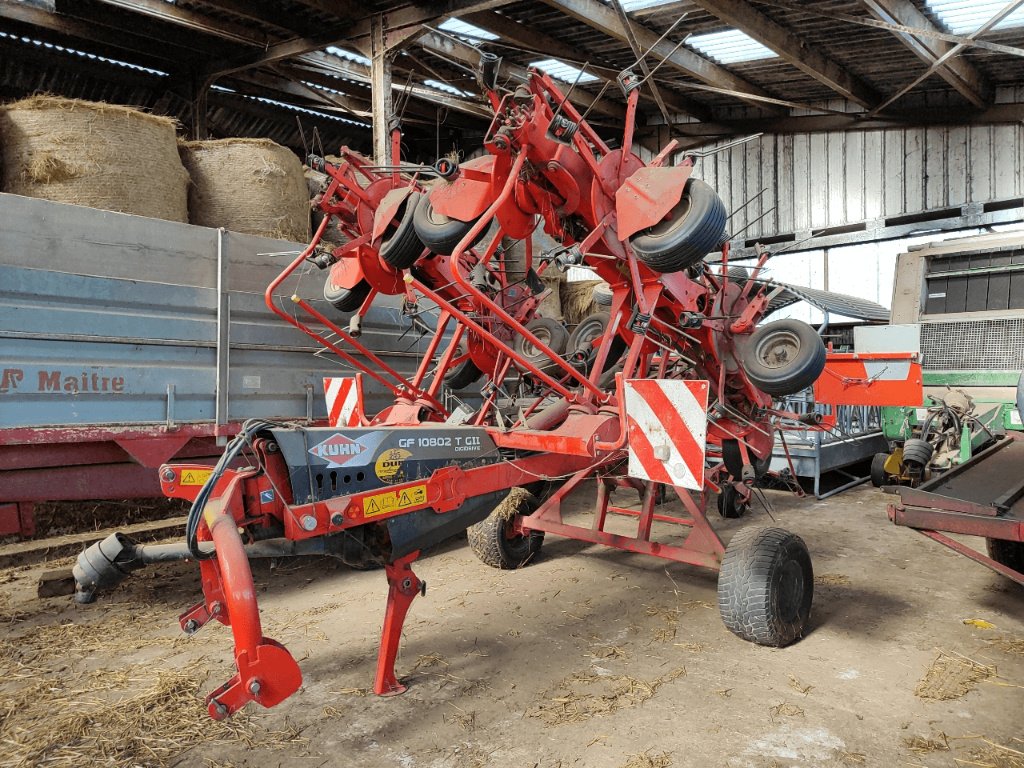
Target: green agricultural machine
x,y
960,303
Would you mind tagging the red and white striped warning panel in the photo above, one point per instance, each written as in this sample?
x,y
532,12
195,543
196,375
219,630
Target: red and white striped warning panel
x,y
667,421
342,396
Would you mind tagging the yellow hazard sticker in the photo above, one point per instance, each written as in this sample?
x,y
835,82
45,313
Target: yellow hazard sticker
x,y
195,476
392,501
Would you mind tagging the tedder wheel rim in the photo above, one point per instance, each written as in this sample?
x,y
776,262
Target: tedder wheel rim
x,y
778,350
673,219
543,335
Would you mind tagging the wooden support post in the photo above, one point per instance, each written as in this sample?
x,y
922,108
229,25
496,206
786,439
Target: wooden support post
x,y
200,88
380,91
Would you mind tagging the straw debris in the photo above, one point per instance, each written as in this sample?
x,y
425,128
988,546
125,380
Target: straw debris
x,y
584,695
921,745
1011,645
647,760
951,676
128,718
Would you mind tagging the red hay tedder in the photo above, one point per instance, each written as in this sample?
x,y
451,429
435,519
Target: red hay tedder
x,y
673,386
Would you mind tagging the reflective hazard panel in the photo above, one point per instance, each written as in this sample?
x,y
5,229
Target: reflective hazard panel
x,y
667,422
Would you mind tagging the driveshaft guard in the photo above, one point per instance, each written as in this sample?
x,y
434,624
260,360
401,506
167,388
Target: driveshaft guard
x,y
325,462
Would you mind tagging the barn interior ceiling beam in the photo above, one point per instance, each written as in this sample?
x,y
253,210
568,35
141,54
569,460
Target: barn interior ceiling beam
x,y
178,16
449,48
744,17
958,72
949,55
601,17
542,43
112,43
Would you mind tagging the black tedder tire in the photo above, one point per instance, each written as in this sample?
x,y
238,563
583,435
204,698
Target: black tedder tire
x,y
917,453
784,357
463,374
346,299
690,231
878,478
493,542
590,328
730,504
602,295
1008,553
766,586
550,332
438,232
401,247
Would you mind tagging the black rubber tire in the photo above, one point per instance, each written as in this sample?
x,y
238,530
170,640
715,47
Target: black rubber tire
x,y
602,295
491,543
549,331
917,452
766,586
738,275
438,232
729,503
403,247
589,329
691,231
1008,553
463,374
784,357
878,477
346,299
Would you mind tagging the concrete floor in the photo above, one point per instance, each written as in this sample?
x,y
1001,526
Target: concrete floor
x,y
586,657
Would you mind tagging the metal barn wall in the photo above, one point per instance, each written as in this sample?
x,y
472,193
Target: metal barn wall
x,y
813,181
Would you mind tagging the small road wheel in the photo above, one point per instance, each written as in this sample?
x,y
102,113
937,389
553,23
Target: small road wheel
x,y
784,357
1008,553
401,247
494,540
346,299
549,332
438,232
766,586
687,234
878,478
730,503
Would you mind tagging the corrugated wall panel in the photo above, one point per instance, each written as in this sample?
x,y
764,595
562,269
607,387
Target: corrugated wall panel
x,y
823,180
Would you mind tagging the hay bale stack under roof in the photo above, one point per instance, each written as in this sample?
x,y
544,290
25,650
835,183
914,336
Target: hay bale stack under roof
x,y
254,186
99,155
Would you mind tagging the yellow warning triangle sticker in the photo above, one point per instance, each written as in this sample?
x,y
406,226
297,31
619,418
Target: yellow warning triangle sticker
x,y
372,507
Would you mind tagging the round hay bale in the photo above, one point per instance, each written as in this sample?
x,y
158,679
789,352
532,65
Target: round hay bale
x,y
551,305
98,155
254,186
578,300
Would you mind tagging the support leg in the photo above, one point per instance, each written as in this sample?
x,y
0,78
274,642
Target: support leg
x,y
403,585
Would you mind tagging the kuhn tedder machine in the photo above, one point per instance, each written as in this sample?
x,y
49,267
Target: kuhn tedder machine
x,y
672,386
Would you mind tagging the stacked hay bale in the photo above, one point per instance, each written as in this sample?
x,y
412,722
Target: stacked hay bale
x,y
98,155
578,300
254,186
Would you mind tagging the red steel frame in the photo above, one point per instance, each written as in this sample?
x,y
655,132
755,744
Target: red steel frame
x,y
590,198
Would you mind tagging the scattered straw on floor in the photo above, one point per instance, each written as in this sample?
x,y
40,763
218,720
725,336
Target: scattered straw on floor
x,y
994,755
921,745
584,695
649,760
785,709
951,676
1009,645
129,718
798,686
831,580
